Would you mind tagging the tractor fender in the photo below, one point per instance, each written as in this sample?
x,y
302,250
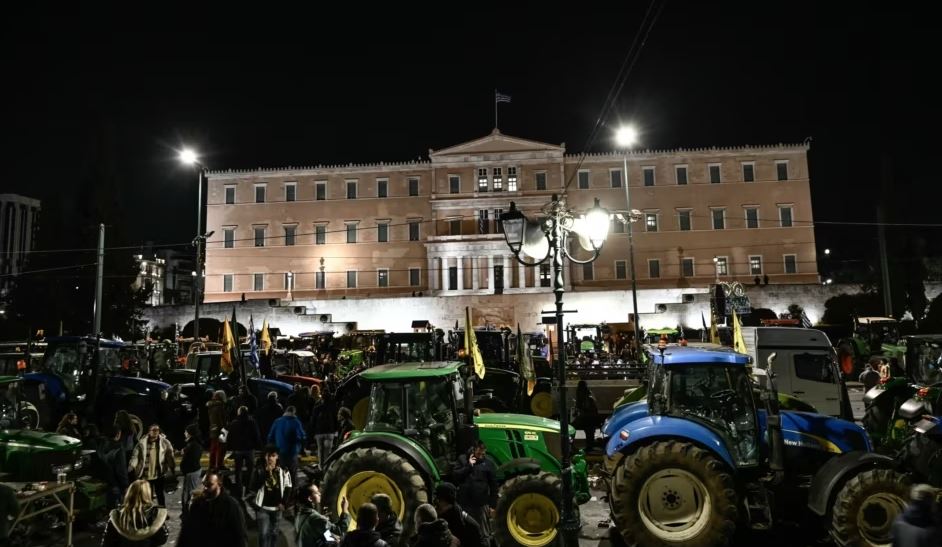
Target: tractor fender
x,y
403,446
623,415
835,472
643,431
517,467
892,388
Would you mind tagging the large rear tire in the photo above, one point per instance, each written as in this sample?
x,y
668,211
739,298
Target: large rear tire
x,y
360,473
674,493
528,511
867,505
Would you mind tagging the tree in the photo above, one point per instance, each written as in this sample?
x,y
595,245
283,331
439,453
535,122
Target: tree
x,y
840,309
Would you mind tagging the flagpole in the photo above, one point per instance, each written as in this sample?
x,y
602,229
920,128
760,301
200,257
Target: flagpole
x,y
495,108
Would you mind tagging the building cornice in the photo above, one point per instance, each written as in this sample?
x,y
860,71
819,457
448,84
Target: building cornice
x,y
762,149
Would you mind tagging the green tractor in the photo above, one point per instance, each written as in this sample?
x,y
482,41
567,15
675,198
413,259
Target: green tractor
x,y
873,337
418,425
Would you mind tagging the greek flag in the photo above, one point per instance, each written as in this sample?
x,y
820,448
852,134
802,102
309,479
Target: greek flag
x,y
500,97
253,344
805,322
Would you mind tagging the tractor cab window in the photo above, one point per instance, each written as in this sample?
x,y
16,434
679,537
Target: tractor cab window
x,y
386,408
815,367
207,366
722,397
431,418
927,365
67,362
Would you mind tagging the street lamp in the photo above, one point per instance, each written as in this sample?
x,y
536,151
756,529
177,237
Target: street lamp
x,y
189,157
626,136
552,231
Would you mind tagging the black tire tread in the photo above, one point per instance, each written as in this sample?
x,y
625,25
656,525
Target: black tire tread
x,y
843,516
542,483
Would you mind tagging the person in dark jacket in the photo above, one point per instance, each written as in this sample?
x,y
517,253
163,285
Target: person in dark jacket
x,y
268,412
138,522
431,531
323,424
216,411
477,485
389,527
214,519
311,527
919,525
870,376
69,426
243,398
301,401
585,413
109,463
345,424
243,440
123,425
365,535
462,525
190,466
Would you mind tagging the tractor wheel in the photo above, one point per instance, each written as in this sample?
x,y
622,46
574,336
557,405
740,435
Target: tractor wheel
x,y
359,474
528,511
674,493
865,508
876,420
541,404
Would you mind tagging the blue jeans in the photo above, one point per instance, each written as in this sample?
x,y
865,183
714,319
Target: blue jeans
x,y
267,522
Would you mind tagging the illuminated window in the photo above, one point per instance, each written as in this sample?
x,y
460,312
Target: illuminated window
x,y
511,179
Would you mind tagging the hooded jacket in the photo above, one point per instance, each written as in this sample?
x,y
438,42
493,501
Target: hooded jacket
x,y
434,534
363,538
191,456
165,461
153,533
287,434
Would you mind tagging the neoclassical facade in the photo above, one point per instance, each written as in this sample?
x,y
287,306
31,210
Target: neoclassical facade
x,y
432,227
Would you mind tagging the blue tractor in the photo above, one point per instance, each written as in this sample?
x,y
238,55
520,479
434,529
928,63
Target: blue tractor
x,y
702,456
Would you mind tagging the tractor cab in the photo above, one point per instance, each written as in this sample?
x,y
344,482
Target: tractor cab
x,y
877,331
405,347
584,339
923,359
210,376
15,413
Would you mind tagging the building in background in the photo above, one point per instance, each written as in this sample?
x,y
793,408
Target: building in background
x,y
150,271
19,216
432,227
179,274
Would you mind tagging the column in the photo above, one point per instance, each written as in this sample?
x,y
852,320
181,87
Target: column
x,y
490,273
508,275
521,276
444,270
475,273
430,274
460,263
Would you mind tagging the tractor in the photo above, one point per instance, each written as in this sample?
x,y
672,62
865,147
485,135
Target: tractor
x,y
419,422
873,337
700,457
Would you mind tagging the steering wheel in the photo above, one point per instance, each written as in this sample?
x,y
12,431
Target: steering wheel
x,y
723,395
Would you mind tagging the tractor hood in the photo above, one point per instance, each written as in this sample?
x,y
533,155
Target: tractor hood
x,y
806,430
624,414
498,420
142,386
37,440
281,388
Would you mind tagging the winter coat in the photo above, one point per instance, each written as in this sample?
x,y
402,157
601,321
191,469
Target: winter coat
x,y
268,412
917,527
363,538
217,521
109,462
463,527
243,434
434,534
192,452
287,434
216,411
390,530
310,526
257,485
165,461
324,417
248,400
477,484
152,534
301,402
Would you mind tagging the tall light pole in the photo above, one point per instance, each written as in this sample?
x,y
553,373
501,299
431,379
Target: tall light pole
x,y
523,235
626,136
189,157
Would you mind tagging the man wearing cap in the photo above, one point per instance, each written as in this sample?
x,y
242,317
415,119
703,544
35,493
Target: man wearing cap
x,y
389,526
919,524
460,523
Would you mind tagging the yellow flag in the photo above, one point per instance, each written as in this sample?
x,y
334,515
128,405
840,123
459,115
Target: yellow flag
x,y
739,344
265,338
714,333
471,345
228,344
525,360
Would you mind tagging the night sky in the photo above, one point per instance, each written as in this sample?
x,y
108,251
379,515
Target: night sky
x,y
250,89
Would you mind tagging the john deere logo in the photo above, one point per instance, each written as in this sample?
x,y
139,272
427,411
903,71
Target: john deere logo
x,y
530,436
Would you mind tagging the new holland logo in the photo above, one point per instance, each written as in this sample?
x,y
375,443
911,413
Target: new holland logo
x,y
530,436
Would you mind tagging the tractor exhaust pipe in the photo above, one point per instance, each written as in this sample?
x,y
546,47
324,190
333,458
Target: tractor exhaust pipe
x,y
774,426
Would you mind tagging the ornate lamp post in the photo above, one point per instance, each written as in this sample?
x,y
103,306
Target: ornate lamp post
x,y
551,232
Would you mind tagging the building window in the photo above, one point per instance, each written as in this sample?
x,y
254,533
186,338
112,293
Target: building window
x,y
721,265
454,184
654,268
511,179
650,222
413,230
686,267
413,186
749,172
583,177
291,191
351,232
498,180
621,269
351,279
289,235
755,264
482,180
545,280
541,181
791,264
227,283
498,226
258,282
588,273
781,169
615,176
382,232
382,278
453,278
785,217
454,227
648,176
319,280
680,173
230,195
415,277
618,227
351,189
259,236
483,224
320,234
715,174
259,193
382,189
320,191
289,281
228,235
683,220
752,217
719,219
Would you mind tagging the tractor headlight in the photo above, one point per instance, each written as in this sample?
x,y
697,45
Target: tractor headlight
x,y
67,468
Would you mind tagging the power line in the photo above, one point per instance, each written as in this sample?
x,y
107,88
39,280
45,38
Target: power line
x,y
28,272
